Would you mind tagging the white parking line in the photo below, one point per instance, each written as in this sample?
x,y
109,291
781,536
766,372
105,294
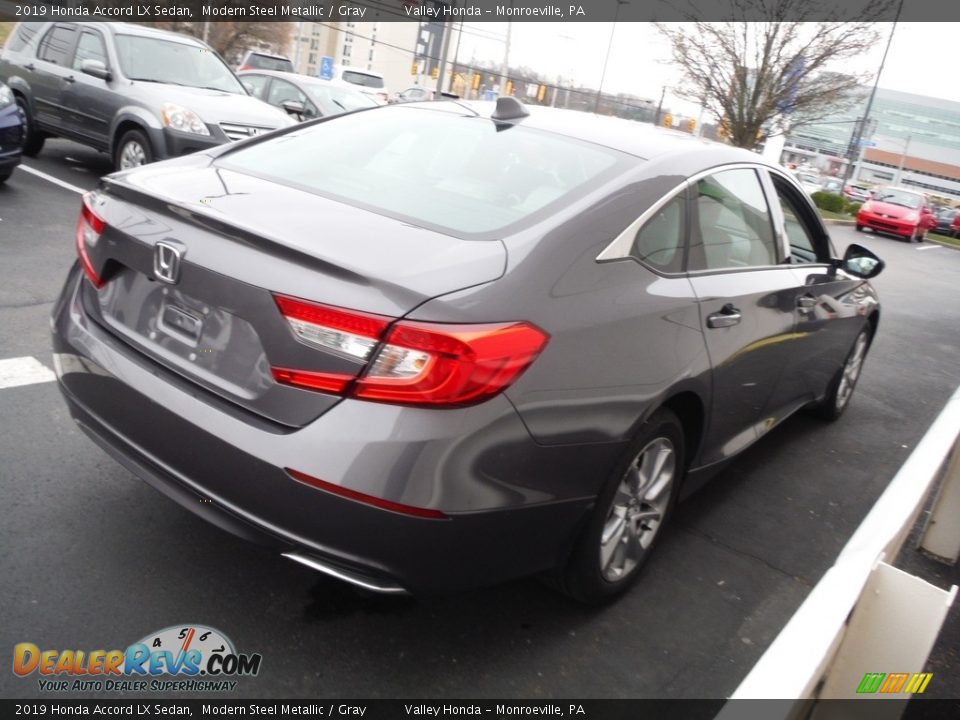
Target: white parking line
x,y
51,178
23,371
928,247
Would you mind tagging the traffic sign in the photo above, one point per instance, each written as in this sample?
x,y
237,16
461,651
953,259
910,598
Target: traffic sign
x,y
326,67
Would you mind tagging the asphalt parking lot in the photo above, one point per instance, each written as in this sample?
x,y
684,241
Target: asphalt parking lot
x,y
93,558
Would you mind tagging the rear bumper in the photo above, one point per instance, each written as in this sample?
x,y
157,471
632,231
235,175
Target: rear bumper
x,y
513,508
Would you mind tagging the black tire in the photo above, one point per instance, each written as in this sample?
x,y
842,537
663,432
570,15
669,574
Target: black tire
x,y
859,227
128,142
4,176
33,139
586,577
838,395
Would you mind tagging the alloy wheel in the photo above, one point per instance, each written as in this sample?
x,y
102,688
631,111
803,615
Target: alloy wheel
x,y
851,371
132,155
638,509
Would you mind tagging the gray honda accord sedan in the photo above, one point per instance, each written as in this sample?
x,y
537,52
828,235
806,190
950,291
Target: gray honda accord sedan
x,y
428,347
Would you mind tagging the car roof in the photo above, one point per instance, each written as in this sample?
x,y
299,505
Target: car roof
x,y
277,73
643,140
121,28
297,77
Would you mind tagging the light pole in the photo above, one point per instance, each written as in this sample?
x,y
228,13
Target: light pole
x,y
606,59
903,159
854,148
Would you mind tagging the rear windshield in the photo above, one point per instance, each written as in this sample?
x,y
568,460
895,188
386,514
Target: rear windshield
x,y
359,78
334,100
267,62
456,174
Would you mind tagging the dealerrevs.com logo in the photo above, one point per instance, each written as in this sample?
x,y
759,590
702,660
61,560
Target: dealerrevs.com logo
x,y
200,658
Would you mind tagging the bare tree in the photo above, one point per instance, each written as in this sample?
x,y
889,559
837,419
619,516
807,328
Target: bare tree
x,y
753,74
232,38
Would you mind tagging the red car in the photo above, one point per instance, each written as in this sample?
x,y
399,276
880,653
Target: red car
x,y
904,213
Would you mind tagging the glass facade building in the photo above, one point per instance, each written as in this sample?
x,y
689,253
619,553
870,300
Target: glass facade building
x,y
916,143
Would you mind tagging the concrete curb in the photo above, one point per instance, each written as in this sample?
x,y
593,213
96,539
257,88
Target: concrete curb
x,y
832,221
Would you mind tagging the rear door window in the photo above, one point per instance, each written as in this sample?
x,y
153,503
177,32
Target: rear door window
x,y
57,44
733,227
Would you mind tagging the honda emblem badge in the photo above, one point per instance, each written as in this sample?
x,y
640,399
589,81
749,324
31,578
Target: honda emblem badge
x,y
166,262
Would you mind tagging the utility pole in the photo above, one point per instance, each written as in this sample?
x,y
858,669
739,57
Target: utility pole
x,y
456,57
606,59
505,68
443,58
903,159
656,118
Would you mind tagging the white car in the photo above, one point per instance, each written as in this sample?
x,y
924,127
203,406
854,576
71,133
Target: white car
x,y
366,81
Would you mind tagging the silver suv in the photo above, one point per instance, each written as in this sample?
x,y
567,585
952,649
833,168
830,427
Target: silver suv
x,y
137,93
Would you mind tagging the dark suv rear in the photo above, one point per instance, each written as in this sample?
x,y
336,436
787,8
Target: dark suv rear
x,y
138,93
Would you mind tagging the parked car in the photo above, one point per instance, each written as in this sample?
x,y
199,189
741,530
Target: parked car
x,y
833,186
366,81
11,133
302,96
809,181
428,347
137,93
418,93
857,193
955,226
259,60
904,213
945,218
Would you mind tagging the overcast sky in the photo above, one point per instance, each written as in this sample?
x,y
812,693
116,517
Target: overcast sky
x,y
922,58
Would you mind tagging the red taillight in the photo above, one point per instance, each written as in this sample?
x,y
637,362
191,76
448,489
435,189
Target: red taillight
x,y
414,363
433,364
89,228
325,382
364,498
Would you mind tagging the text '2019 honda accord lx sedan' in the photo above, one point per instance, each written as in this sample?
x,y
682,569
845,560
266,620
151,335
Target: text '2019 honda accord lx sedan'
x,y
429,347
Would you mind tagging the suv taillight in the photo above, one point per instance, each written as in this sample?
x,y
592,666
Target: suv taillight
x,y
89,229
411,362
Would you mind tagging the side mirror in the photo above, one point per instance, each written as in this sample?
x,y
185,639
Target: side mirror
x,y
96,69
294,107
861,263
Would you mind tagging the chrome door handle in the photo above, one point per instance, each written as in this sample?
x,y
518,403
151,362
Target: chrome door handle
x,y
70,79
728,315
30,66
